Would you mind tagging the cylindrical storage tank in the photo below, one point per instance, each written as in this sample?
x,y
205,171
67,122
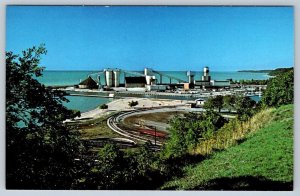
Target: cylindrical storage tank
x,y
117,78
147,72
191,79
109,77
148,79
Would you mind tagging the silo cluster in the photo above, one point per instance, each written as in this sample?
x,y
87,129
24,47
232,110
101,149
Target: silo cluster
x,y
112,77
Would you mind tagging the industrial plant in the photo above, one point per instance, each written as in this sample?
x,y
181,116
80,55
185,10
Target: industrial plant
x,y
149,80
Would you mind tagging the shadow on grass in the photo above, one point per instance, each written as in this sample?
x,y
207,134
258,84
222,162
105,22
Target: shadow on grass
x,y
249,183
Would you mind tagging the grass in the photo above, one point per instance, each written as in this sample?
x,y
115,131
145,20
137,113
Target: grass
x,y
95,128
263,161
163,117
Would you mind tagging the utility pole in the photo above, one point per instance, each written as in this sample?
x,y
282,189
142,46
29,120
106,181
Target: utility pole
x,y
155,136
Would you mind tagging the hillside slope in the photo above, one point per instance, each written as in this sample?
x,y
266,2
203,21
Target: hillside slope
x,y
264,161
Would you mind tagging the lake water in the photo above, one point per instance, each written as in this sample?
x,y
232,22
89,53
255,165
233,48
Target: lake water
x,y
85,104
56,78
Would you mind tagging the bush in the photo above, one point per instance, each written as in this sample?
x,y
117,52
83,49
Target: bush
x,y
133,103
103,106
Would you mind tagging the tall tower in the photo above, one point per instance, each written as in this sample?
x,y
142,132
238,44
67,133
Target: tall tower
x,y
206,76
190,75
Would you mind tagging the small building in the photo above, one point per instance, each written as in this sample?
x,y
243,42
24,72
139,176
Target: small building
x,y
156,87
186,86
220,83
88,83
200,102
133,82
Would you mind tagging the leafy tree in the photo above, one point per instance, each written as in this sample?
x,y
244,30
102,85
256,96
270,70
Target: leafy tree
x,y
280,90
107,171
185,132
40,149
228,102
214,103
244,106
213,121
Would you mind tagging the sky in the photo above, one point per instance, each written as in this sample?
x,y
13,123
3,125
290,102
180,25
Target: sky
x,y
160,37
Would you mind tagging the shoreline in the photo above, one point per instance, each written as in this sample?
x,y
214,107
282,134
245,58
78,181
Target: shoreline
x,y
122,105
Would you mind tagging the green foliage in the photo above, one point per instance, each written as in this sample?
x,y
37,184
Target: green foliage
x,y
280,90
115,170
187,131
214,103
266,156
244,107
103,106
251,82
133,103
40,149
280,71
228,102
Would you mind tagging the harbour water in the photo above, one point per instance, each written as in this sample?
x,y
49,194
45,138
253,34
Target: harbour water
x,y
83,104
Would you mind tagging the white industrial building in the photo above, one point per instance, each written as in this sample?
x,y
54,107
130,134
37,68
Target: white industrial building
x,y
207,82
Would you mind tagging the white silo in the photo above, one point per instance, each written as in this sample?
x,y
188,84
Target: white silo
x,y
206,71
109,77
148,72
117,78
150,79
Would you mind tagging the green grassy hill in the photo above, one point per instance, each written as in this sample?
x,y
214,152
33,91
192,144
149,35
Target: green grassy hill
x,y
263,161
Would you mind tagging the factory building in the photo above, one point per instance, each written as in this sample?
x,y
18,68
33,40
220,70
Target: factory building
x,y
200,102
156,87
220,83
134,82
207,82
88,83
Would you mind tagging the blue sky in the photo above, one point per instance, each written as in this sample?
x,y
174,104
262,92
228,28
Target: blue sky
x,y
164,38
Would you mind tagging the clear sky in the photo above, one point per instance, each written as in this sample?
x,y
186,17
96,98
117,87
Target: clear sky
x,y
163,38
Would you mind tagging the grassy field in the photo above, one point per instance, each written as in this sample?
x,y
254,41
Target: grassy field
x,y
262,161
96,128
163,117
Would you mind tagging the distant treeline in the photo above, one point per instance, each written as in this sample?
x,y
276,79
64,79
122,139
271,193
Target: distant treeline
x,y
250,82
280,71
257,71
270,72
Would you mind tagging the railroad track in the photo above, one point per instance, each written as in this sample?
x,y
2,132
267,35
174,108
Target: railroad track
x,y
113,121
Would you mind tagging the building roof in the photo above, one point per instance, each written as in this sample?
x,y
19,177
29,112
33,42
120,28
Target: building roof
x,y
89,82
135,80
200,99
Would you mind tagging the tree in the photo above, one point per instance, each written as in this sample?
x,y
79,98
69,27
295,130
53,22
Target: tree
x,y
108,170
185,132
244,106
40,149
228,102
214,103
280,90
133,103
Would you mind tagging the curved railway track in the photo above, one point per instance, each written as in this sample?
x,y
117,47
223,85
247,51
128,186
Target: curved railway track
x,y
113,122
